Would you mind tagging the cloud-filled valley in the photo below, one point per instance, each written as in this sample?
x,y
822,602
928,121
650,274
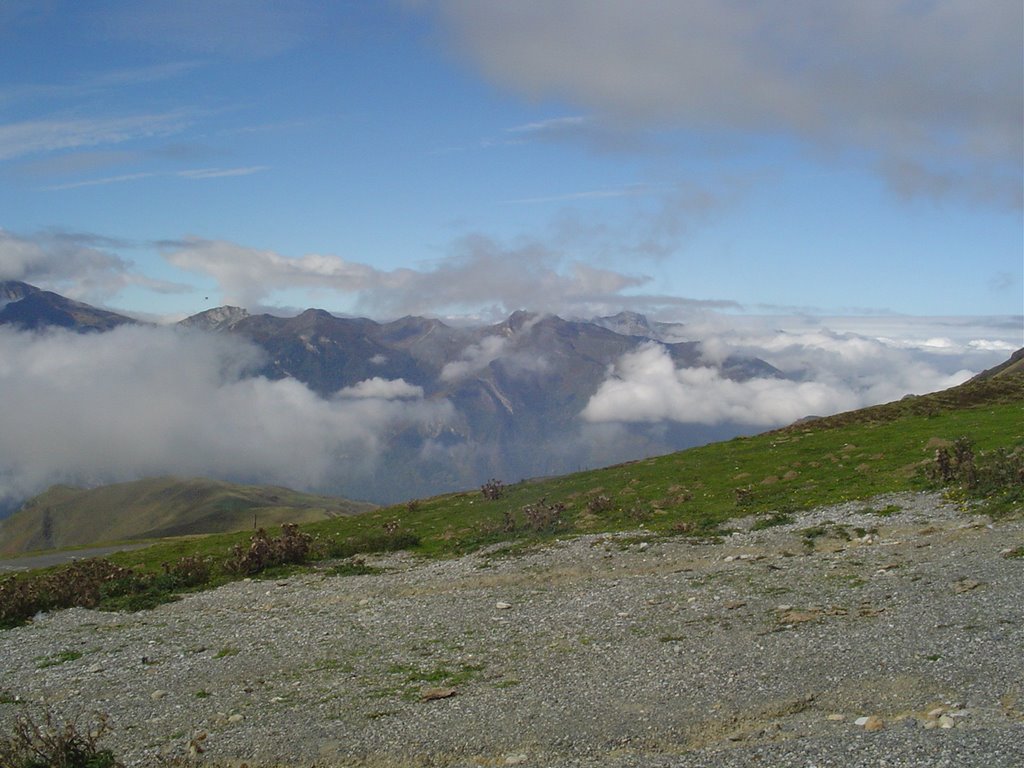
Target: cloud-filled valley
x,y
140,401
511,400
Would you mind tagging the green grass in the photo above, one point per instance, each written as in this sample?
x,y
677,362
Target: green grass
x,y
844,458
62,657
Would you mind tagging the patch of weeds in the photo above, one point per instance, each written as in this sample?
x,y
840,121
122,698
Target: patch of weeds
x,y
1015,553
510,683
772,520
824,530
202,693
227,650
435,677
887,511
671,638
381,713
61,657
6,697
331,665
44,741
703,528
355,566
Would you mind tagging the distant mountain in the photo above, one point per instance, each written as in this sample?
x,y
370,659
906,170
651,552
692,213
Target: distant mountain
x,y
516,388
30,308
156,508
217,319
635,324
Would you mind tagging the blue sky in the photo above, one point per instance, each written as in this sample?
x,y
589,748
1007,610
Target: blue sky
x,y
473,157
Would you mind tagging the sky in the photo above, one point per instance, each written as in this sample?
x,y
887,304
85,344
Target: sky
x,y
832,187
473,157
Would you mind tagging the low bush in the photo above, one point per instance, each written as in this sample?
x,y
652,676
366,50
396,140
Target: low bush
x,y
290,548
997,476
47,742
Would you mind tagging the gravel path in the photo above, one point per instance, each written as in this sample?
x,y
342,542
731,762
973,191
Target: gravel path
x,y
902,648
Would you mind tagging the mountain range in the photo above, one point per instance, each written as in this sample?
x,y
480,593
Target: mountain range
x,y
516,388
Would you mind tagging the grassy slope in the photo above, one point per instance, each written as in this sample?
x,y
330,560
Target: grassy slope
x,y
845,457
158,507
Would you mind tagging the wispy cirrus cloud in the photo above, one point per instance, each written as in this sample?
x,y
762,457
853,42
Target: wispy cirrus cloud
x,y
197,174
57,134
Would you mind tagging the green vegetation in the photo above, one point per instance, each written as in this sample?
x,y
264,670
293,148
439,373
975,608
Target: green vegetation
x,y
58,658
914,444
45,742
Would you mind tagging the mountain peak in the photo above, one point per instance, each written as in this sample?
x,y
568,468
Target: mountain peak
x,y
14,290
216,319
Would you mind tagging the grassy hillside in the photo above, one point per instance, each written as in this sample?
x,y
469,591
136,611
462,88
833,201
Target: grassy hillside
x,y
156,508
845,457
978,427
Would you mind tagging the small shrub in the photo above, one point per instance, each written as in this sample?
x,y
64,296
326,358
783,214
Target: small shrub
x,y
50,743
744,496
997,477
291,547
599,504
355,566
542,516
492,490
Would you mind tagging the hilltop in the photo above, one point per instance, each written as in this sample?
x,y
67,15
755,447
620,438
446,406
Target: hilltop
x,y
156,508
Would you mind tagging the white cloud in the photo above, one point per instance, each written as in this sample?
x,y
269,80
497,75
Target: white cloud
x,y
383,389
475,358
81,266
829,374
932,90
139,401
480,274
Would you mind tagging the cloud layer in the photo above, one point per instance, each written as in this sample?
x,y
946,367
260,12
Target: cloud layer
x,y
480,274
82,266
826,373
141,401
932,90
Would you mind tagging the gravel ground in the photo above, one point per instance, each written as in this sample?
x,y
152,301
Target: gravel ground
x,y
902,648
